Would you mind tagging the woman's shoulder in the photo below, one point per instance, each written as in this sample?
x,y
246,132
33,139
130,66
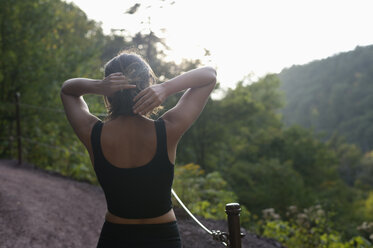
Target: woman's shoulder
x,y
172,128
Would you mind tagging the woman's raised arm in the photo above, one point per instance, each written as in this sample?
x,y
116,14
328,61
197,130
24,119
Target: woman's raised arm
x,y
198,84
76,109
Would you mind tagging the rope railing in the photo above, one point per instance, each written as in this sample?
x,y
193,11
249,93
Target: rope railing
x,y
216,234
52,146
231,239
41,108
51,109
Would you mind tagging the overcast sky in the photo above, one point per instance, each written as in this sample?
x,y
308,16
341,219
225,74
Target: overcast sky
x,y
244,37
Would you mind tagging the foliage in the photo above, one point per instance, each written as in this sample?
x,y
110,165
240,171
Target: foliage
x,y
366,228
311,227
41,44
235,126
268,166
267,182
204,194
333,95
364,178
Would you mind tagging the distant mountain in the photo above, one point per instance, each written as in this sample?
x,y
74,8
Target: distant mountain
x,y
333,95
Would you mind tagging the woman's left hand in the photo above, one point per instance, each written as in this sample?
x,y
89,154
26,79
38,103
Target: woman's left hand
x,y
149,98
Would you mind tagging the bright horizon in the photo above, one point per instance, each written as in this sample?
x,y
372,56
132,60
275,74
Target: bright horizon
x,y
244,37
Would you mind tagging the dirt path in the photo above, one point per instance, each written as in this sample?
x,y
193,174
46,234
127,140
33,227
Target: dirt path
x,y
42,209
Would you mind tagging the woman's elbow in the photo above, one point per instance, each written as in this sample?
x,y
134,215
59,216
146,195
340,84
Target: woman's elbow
x,y
67,87
212,74
63,86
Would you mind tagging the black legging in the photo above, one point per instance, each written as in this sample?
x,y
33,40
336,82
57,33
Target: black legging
x,y
165,235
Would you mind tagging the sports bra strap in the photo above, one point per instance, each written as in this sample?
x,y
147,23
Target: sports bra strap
x,y
161,138
96,139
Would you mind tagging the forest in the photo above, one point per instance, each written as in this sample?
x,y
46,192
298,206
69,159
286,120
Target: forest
x,y
294,149
333,96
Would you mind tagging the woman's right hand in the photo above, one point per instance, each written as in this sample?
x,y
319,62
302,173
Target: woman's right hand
x,y
113,83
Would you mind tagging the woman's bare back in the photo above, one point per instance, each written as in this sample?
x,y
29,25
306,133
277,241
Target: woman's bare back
x,y
129,142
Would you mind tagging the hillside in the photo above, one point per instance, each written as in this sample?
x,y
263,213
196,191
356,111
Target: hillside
x,y
333,95
43,209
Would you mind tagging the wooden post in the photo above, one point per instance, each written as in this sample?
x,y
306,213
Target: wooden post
x,y
233,211
18,121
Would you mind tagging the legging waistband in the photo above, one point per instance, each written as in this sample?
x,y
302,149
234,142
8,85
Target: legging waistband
x,y
141,226
161,235
161,230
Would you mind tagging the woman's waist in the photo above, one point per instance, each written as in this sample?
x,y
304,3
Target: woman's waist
x,y
165,218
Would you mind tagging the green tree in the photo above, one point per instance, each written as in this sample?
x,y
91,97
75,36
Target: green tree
x,y
333,95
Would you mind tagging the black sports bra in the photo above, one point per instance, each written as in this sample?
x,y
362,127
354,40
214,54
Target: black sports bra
x,y
135,193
